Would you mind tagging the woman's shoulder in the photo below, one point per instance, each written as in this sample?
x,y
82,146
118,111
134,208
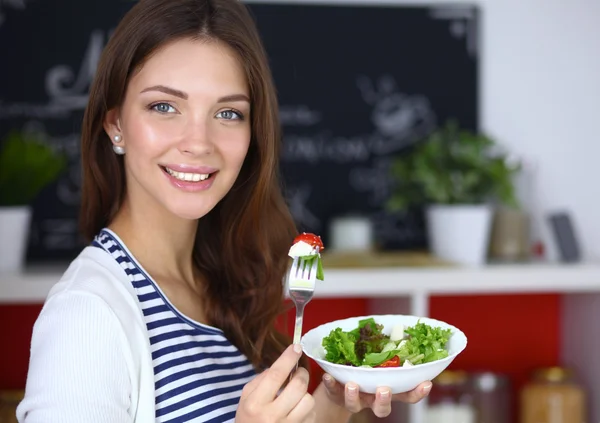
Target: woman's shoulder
x,y
96,274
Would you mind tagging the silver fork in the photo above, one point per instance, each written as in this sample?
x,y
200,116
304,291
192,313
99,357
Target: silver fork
x,y
301,282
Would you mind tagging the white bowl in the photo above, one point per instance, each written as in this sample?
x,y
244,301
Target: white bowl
x,y
398,379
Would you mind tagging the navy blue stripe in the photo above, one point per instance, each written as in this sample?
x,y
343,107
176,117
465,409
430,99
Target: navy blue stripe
x,y
207,409
224,417
134,271
196,384
113,248
201,397
204,369
154,310
193,358
149,296
163,322
140,284
197,344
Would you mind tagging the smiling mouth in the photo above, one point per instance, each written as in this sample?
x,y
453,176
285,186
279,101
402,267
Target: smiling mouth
x,y
186,176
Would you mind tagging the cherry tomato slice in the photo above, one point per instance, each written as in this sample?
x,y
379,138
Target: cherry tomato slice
x,y
311,239
392,362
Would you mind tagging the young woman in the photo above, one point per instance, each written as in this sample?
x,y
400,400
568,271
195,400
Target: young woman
x,y
168,315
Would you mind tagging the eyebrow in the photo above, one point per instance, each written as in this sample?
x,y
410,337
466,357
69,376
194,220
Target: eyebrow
x,y
181,94
234,97
166,90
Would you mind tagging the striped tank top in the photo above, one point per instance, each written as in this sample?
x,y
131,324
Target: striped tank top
x,y
198,373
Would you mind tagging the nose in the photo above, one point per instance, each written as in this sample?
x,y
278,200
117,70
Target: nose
x,y
196,140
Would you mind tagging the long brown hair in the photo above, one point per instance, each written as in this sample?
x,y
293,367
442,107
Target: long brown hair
x,y
241,245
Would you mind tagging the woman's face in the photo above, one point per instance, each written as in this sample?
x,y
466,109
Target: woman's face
x,y
185,127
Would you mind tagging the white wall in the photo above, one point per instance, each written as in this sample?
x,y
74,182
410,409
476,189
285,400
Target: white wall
x,y
540,96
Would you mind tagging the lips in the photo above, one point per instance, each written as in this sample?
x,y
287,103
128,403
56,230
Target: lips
x,y
191,181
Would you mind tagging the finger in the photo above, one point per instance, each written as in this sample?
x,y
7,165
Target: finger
x,y
382,406
352,398
416,395
277,374
304,411
293,392
251,386
333,388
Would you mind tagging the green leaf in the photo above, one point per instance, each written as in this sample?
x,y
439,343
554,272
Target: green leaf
x,y
26,167
320,273
451,166
424,344
339,347
375,359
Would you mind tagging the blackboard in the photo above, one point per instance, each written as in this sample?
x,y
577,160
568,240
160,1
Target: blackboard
x,y
357,85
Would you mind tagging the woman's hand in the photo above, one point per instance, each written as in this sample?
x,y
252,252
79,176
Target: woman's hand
x,y
260,401
381,403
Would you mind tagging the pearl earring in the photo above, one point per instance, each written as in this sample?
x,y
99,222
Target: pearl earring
x,y
118,149
117,138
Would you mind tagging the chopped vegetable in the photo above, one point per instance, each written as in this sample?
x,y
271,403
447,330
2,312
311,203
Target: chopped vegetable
x,y
392,362
311,239
367,345
309,246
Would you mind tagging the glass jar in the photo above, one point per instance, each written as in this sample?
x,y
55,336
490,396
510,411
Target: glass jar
x,y
552,396
490,395
449,401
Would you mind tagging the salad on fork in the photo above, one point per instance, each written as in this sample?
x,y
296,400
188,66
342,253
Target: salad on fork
x,y
306,269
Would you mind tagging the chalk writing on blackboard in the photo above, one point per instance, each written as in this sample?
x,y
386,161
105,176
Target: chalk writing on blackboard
x,y
372,179
298,115
399,118
297,198
462,24
62,98
13,4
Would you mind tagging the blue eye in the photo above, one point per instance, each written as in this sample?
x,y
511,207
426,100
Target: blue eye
x,y
230,115
162,108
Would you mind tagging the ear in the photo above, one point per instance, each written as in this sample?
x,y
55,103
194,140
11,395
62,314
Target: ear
x,y
112,125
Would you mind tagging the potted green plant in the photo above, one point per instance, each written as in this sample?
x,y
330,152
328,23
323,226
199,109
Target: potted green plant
x,y
27,165
458,176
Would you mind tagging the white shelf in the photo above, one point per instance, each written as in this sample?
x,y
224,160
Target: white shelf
x,y
409,289
33,285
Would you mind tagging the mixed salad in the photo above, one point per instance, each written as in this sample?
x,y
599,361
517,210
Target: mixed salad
x,y
368,346
308,246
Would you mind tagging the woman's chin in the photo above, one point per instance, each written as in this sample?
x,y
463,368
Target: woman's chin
x,y
191,214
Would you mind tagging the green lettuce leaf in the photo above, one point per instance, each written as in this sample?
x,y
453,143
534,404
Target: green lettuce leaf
x,y
424,344
339,347
375,359
320,273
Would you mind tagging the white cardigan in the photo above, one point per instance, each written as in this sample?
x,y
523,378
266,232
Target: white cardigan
x,y
90,354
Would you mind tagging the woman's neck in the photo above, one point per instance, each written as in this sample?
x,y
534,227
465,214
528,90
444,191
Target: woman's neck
x,y
162,244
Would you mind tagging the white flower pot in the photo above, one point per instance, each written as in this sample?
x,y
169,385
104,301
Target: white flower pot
x,y
14,230
459,233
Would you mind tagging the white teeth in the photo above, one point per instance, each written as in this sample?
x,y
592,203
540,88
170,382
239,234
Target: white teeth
x,y
195,177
